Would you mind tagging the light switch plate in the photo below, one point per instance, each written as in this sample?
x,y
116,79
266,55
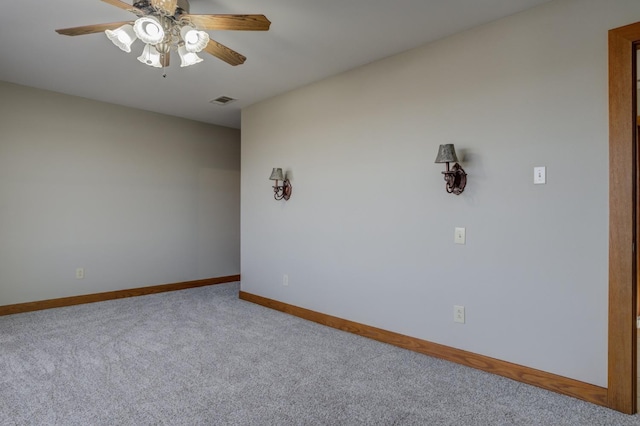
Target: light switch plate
x,y
539,175
460,236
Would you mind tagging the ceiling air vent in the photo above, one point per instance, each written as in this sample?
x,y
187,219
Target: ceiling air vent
x,y
222,100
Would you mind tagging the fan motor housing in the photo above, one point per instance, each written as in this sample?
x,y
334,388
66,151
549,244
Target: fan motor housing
x,y
183,5
145,5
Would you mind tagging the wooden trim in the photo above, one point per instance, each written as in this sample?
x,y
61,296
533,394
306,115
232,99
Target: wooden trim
x,y
622,219
563,385
110,295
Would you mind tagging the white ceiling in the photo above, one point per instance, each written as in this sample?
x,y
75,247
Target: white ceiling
x,y
308,41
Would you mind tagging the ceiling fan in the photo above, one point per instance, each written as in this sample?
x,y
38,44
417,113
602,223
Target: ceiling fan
x,y
164,25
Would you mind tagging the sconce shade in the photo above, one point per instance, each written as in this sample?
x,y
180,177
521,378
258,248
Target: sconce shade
x,y
276,174
447,154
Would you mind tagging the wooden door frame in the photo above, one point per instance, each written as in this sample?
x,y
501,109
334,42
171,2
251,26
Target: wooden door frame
x,y
622,372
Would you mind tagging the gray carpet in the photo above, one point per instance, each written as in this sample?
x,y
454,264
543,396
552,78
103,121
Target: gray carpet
x,y
203,357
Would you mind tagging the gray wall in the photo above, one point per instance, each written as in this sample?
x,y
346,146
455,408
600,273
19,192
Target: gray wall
x,y
135,198
368,232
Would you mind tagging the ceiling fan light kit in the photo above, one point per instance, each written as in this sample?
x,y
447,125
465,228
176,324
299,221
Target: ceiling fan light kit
x,y
166,25
162,34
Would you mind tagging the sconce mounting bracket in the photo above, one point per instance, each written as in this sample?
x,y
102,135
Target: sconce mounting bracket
x,y
456,179
282,192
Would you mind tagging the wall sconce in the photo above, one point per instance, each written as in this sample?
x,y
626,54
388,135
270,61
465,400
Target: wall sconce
x,y
456,178
280,191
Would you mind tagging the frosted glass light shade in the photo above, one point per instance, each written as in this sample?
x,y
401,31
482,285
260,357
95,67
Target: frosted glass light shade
x,y
276,174
187,58
447,154
194,40
122,37
150,56
149,29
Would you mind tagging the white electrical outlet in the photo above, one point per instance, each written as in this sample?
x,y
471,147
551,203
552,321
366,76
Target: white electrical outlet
x,y
458,314
460,236
79,273
285,280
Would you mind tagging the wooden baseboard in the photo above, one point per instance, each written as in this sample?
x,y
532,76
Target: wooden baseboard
x,y
577,389
110,295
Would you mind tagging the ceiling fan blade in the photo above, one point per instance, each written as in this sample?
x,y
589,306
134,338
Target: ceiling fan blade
x,y
230,22
125,6
90,29
221,51
167,6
